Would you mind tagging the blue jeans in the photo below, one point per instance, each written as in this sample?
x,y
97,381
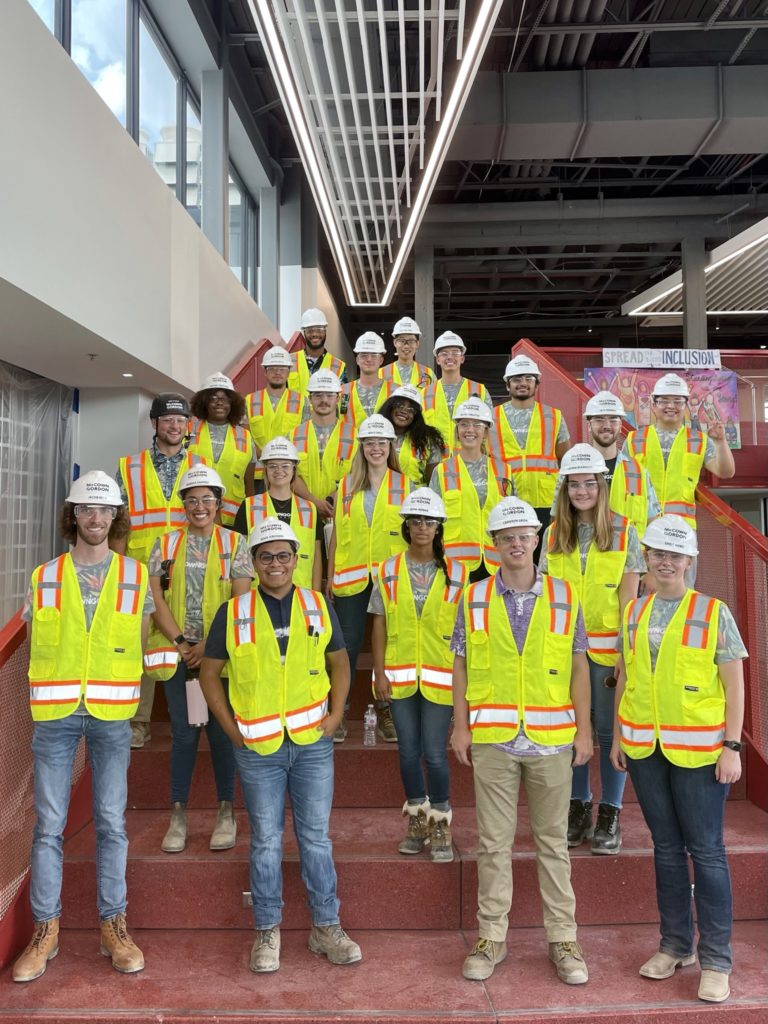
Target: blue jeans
x,y
54,745
353,616
422,732
611,782
306,773
184,741
684,809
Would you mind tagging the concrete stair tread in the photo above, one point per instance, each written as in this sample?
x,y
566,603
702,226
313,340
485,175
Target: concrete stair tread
x,y
199,974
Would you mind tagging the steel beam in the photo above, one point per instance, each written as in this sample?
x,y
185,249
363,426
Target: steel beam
x,y
424,300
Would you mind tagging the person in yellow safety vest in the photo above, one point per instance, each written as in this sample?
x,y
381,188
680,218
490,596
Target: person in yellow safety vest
x,y
366,531
192,571
419,447
313,357
442,396
222,441
280,460
680,700
521,707
149,485
630,489
285,652
674,454
414,607
88,617
530,437
275,410
598,552
366,395
325,444
406,335
471,484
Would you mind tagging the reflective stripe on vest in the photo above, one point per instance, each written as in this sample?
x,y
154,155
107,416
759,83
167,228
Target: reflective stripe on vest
x,y
128,587
478,605
49,585
490,716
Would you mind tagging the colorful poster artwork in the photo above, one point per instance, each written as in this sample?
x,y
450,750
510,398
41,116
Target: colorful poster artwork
x,y
713,398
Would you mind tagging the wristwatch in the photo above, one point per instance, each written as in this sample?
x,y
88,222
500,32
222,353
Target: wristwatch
x,y
180,639
732,745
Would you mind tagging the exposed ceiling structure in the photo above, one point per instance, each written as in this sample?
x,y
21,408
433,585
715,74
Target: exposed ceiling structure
x,y
609,103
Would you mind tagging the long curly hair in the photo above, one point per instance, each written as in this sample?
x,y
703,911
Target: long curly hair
x,y
199,405
121,524
438,547
420,434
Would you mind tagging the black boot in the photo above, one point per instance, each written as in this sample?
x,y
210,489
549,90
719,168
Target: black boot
x,y
579,822
607,837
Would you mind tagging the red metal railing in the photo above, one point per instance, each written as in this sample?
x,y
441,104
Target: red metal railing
x,y
247,374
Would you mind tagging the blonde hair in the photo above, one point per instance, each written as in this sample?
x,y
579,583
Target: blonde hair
x,y
358,478
565,531
483,444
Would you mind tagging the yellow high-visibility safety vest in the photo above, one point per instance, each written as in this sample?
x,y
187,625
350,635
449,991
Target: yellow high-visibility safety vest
x,y
361,548
151,514
299,376
162,658
266,422
410,464
464,532
436,411
680,705
421,376
629,493
322,475
303,523
597,587
533,468
234,460
418,652
67,661
505,686
355,410
675,483
269,697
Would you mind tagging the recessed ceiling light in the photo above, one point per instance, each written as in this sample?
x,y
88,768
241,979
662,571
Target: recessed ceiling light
x,y
127,375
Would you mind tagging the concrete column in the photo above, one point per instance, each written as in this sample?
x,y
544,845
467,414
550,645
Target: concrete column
x,y
269,253
424,301
214,103
290,248
694,293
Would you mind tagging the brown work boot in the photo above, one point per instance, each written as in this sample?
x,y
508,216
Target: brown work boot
x,y
225,830
175,839
118,944
569,962
265,951
140,734
481,962
385,727
332,941
440,840
43,946
417,836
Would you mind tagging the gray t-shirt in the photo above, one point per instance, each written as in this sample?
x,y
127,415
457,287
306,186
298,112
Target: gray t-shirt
x,y
369,503
421,575
451,392
520,420
197,559
586,531
667,439
218,432
368,396
322,433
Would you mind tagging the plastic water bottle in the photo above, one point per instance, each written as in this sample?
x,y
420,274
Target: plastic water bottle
x,y
369,726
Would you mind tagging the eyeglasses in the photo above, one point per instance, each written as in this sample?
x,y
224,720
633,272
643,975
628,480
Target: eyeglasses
x,y
528,378
512,538
403,405
673,403
95,511
421,521
268,557
370,444
173,421
208,501
406,341
583,485
658,557
284,466
605,421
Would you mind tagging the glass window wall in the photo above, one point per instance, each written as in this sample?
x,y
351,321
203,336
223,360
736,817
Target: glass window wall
x,y
98,48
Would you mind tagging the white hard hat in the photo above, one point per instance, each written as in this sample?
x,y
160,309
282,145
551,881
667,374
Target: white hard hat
x,y
582,458
406,325
201,476
520,365
473,409
277,356
448,340
605,403
671,384
423,502
217,380
269,529
370,342
94,488
313,318
408,391
279,448
671,533
324,380
512,512
376,426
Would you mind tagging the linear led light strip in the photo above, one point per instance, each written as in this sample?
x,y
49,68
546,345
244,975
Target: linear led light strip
x,y
486,18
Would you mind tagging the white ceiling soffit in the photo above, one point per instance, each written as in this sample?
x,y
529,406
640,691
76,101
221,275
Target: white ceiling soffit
x,y
372,119
736,281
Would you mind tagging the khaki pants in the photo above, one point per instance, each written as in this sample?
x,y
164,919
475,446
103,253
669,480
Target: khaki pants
x,y
146,700
547,783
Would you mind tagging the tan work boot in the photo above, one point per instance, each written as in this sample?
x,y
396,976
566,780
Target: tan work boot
x,y
482,960
714,986
175,839
385,727
663,965
440,840
225,831
332,941
265,951
118,944
417,836
340,733
43,946
140,734
569,963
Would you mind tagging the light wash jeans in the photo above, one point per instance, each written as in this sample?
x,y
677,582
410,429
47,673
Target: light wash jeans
x,y
611,782
54,745
306,773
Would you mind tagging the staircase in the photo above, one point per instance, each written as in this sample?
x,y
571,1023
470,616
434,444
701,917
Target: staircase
x,y
414,920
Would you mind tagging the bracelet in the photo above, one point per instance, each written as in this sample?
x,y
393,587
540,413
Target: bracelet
x,y
180,639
